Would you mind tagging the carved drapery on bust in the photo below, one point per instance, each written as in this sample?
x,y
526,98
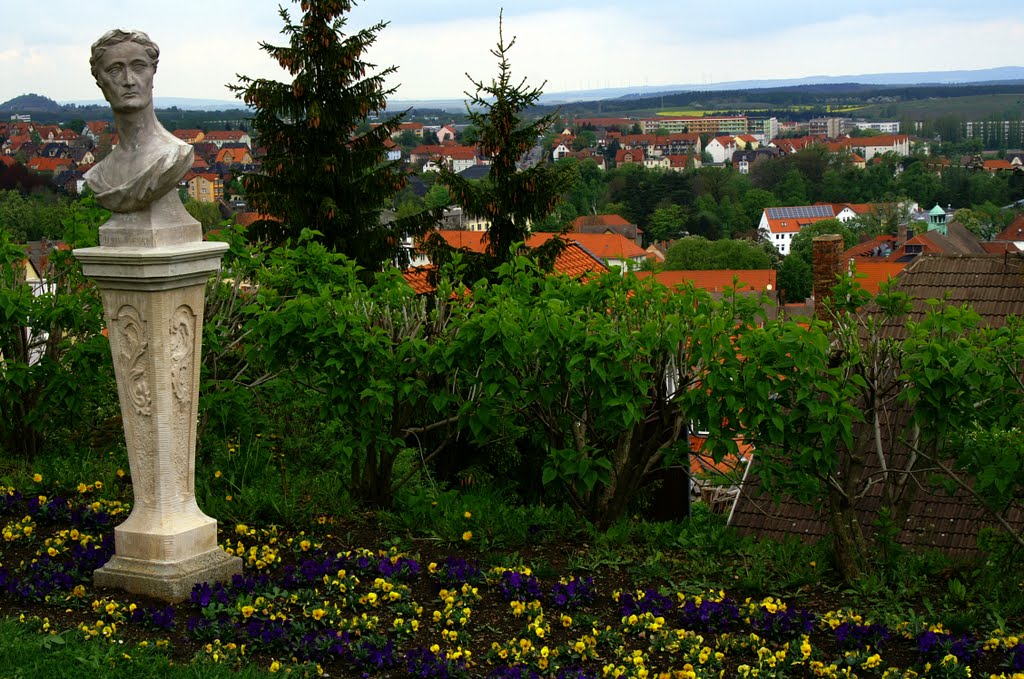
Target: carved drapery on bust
x,y
134,185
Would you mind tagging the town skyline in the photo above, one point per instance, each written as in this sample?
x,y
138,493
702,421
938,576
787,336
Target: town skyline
x,y
568,44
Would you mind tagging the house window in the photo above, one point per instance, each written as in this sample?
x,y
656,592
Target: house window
x,y
699,428
914,248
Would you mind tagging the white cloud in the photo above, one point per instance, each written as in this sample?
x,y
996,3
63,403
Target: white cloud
x,y
571,44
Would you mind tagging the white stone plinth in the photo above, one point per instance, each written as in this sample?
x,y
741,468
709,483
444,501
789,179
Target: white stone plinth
x,y
153,305
164,223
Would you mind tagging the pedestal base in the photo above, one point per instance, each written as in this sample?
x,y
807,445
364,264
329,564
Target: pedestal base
x,y
164,223
169,581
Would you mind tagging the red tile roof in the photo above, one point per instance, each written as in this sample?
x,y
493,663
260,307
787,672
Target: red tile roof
x,y
574,260
871,274
995,248
187,135
879,140
600,246
791,224
247,218
704,464
598,220
629,155
470,240
632,140
459,152
49,164
224,135
418,278
453,151
859,208
997,165
232,155
1014,232
603,246
866,248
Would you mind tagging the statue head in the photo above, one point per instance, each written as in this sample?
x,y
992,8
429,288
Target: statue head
x,y
123,64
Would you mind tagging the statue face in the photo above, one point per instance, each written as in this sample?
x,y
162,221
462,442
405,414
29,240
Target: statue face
x,y
125,74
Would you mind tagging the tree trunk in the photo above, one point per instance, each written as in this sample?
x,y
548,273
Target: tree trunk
x,y
848,541
373,486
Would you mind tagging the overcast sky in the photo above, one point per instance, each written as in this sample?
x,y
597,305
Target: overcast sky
x,y
571,44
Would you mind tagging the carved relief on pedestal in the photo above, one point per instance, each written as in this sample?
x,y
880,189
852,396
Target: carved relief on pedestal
x,y
182,328
183,332
131,331
132,344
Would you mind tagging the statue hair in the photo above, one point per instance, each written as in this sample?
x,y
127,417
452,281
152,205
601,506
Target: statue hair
x,y
118,36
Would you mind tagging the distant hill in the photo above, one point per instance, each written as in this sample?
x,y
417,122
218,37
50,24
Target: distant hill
x,y
31,103
607,100
37,103
987,75
183,103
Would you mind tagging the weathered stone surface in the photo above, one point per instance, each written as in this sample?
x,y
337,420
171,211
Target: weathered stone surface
x,y
151,267
148,161
153,304
167,580
165,222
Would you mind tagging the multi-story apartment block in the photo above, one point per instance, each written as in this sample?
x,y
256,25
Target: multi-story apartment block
x,y
830,127
205,187
890,127
697,124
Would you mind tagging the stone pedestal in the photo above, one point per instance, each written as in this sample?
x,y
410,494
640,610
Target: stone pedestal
x,y
153,304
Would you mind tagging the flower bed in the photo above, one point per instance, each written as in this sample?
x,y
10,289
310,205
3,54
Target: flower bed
x,y
311,602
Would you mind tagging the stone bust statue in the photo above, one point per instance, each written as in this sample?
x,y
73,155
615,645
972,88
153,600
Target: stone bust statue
x,y
148,161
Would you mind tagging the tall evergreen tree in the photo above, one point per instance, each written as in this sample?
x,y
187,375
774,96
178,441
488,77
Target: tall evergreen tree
x,y
510,198
324,169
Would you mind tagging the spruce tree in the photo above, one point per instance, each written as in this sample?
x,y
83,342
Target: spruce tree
x,y
324,168
510,198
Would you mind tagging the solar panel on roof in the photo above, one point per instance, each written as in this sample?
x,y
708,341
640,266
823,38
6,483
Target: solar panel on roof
x,y
800,211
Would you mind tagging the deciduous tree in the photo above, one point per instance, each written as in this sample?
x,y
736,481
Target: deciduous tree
x,y
610,371
55,369
667,223
695,252
842,409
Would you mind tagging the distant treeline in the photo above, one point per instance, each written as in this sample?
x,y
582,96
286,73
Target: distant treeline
x,y
172,118
816,100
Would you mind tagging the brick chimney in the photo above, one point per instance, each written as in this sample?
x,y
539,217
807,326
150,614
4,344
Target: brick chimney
x,y
904,232
828,263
